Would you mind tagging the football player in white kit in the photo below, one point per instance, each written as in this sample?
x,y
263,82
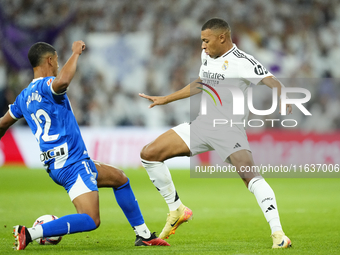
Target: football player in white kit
x,y
222,63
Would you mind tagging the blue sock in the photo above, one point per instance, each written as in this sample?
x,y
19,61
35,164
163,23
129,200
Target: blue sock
x,y
127,201
68,224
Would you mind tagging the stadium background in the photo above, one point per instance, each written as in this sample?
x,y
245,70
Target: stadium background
x,y
154,47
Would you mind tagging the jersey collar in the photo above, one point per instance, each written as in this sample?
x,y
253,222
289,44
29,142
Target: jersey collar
x,y
34,80
229,51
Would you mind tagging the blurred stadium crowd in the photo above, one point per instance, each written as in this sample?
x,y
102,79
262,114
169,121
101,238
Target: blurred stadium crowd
x,y
297,40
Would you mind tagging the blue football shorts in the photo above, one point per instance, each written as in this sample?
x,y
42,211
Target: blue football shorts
x,y
78,178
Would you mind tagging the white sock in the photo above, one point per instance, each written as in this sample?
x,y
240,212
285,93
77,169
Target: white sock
x,y
36,232
160,176
266,199
142,230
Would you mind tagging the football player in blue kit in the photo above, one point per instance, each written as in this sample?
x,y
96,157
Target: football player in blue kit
x,y
47,110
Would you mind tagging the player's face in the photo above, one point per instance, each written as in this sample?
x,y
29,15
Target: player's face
x,y
211,43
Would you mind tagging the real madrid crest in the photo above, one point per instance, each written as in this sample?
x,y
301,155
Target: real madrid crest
x,y
225,65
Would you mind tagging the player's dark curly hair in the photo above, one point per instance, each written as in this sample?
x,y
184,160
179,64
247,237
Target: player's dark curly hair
x,y
216,23
37,51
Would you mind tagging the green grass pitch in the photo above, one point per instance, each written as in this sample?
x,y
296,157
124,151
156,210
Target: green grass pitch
x,y
227,219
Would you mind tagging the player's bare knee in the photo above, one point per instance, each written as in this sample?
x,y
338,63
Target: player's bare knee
x,y
117,178
97,221
122,179
149,153
144,153
96,218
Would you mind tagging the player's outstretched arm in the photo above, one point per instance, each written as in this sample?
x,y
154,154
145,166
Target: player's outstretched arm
x,y
273,82
188,91
5,122
63,79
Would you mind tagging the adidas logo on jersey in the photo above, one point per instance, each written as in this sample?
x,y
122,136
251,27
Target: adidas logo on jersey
x,y
205,62
237,145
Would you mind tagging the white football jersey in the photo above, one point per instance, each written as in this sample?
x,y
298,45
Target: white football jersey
x,y
233,71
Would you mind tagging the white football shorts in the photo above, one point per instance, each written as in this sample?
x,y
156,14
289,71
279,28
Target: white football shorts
x,y
225,140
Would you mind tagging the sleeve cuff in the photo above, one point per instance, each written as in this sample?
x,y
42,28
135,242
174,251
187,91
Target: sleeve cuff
x,y
12,115
55,93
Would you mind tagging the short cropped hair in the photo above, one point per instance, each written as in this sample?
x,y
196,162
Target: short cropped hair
x,y
37,51
216,23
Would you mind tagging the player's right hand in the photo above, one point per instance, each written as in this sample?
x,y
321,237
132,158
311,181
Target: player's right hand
x,y
78,47
155,100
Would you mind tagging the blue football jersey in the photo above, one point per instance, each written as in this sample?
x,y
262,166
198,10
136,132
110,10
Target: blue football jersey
x,y
50,117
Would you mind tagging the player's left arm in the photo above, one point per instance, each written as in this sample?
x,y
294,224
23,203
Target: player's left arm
x,y
63,79
5,122
188,91
273,82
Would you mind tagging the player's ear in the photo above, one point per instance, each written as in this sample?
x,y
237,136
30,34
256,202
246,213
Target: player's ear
x,y
223,37
49,60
